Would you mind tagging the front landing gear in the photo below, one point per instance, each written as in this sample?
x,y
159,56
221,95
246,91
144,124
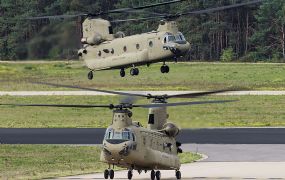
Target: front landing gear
x,y
90,75
122,73
130,174
109,173
155,175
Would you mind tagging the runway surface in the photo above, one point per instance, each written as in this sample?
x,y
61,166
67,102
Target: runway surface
x,y
95,136
210,171
92,93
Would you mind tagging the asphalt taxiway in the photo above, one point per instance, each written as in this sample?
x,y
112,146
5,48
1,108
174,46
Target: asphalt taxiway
x,y
232,153
95,136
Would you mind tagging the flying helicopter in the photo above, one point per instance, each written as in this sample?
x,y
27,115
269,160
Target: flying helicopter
x,y
102,49
127,143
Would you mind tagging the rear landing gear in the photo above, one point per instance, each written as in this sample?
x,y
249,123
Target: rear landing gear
x,y
178,175
134,71
158,175
152,175
164,69
90,75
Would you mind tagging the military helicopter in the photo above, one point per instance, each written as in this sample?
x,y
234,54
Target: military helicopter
x,y
104,50
128,144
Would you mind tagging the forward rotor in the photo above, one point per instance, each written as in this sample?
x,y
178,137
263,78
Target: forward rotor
x,y
129,99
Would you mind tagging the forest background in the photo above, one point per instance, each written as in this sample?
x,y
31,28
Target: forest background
x,y
251,33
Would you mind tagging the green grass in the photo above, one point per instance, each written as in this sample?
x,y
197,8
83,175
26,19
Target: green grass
x,y
43,161
183,76
257,111
47,161
188,157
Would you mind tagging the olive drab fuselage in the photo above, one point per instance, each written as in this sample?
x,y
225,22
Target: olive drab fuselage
x,y
104,50
127,144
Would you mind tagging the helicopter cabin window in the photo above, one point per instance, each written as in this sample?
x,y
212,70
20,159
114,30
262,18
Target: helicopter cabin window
x,y
111,30
112,51
151,119
165,40
137,46
125,48
150,44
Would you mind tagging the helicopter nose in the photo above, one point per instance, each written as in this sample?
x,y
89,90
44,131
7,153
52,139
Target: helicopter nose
x,y
117,151
178,48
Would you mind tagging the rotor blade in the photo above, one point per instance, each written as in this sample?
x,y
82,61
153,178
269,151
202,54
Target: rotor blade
x,y
121,10
142,7
91,89
210,10
198,94
182,104
139,19
57,17
59,105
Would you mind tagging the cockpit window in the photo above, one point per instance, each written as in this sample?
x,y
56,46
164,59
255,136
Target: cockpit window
x,y
180,37
126,135
173,38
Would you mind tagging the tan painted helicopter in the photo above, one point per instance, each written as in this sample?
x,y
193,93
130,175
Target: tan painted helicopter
x,y
128,144
104,50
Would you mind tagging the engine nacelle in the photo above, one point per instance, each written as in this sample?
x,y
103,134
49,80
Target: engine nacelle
x,y
93,40
171,129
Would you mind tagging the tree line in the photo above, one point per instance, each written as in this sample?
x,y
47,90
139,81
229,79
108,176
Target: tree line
x,y
250,33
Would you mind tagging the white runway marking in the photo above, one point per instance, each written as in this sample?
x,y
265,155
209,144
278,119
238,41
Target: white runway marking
x,y
92,93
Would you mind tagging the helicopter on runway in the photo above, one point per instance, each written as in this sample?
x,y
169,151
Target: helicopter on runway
x,y
128,144
102,49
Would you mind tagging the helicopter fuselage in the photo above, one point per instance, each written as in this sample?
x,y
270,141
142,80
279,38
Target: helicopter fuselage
x,y
131,51
103,50
127,144
142,149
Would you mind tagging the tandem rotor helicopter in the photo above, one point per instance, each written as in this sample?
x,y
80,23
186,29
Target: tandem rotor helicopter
x,y
127,143
102,49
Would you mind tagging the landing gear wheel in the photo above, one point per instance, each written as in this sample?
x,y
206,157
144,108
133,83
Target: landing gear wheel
x,y
178,175
130,174
134,71
106,174
157,175
137,71
90,75
111,174
164,69
122,73
152,175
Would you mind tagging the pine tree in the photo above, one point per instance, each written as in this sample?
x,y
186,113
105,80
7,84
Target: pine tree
x,y
269,39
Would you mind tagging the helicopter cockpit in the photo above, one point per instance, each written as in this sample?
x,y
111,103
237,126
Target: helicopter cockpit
x,y
176,38
117,137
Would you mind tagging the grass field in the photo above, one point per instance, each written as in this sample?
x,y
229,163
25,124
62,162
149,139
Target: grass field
x,y
182,76
257,111
47,161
